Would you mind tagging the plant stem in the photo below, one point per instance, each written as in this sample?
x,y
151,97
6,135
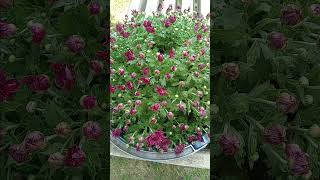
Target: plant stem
x,y
313,87
259,100
311,141
305,43
255,122
51,137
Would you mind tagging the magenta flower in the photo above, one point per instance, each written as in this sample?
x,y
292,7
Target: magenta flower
x,y
37,83
231,71
291,15
277,40
138,102
168,76
133,75
112,88
133,112
146,80
7,30
75,44
158,140
287,103
146,71
160,57
64,76
298,160
170,115
183,127
96,66
147,23
8,87
172,53
130,55
179,148
88,102
130,85
230,144
117,132
161,91
74,157
275,135
19,153
192,138
95,8
92,130
38,32
155,107
34,141
172,19
167,23
121,72
63,129
182,106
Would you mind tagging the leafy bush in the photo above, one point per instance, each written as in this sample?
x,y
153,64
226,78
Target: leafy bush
x,y
160,80
267,75
52,90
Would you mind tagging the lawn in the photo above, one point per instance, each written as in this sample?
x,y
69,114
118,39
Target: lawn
x,y
125,169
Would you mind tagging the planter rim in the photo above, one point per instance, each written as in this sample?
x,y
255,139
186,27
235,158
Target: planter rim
x,y
156,156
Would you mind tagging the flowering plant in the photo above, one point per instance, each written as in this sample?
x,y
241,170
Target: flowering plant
x,y
266,73
160,80
52,89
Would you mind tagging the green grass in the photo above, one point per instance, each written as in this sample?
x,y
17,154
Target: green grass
x,y
129,169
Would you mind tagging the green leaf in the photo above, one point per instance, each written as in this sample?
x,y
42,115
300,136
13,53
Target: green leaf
x,y
253,54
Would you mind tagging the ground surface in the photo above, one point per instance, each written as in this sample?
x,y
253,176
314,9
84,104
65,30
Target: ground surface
x,y
129,169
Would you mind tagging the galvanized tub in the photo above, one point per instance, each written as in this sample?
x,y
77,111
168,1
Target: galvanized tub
x,y
156,156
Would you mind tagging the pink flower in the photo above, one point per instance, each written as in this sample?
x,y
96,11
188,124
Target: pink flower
x,y
192,58
138,146
196,74
74,157
203,112
159,140
179,148
8,88
7,30
38,32
96,66
229,143
203,51
92,130
141,55
199,37
155,107
122,87
161,91
157,72
64,76
172,19
95,8
147,23
125,34
116,132
133,75
153,120
168,76
130,55
112,89
120,106
183,127
160,57
170,115
130,85
88,102
37,83
192,138
167,23
185,53
75,44
62,129
172,54
138,102
34,141
146,71
137,93
164,103
146,80
19,153
121,72
201,66
174,68
133,112
182,106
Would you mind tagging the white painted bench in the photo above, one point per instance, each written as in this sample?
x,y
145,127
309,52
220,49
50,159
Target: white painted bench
x,y
200,159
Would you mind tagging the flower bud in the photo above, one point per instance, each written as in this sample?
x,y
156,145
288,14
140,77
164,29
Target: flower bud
x,y
133,112
12,58
88,102
308,99
291,15
315,9
121,72
31,106
315,131
277,40
275,135
304,81
74,157
92,130
19,153
38,32
153,120
55,160
35,141
137,93
160,57
170,115
63,129
157,72
96,66
287,103
138,102
75,44
95,8
7,30
229,143
231,71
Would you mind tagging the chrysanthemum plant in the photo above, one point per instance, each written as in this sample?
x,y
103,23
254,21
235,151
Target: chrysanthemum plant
x,y
160,80
267,76
52,89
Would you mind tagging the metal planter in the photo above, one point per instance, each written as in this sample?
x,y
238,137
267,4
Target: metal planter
x,y
156,156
